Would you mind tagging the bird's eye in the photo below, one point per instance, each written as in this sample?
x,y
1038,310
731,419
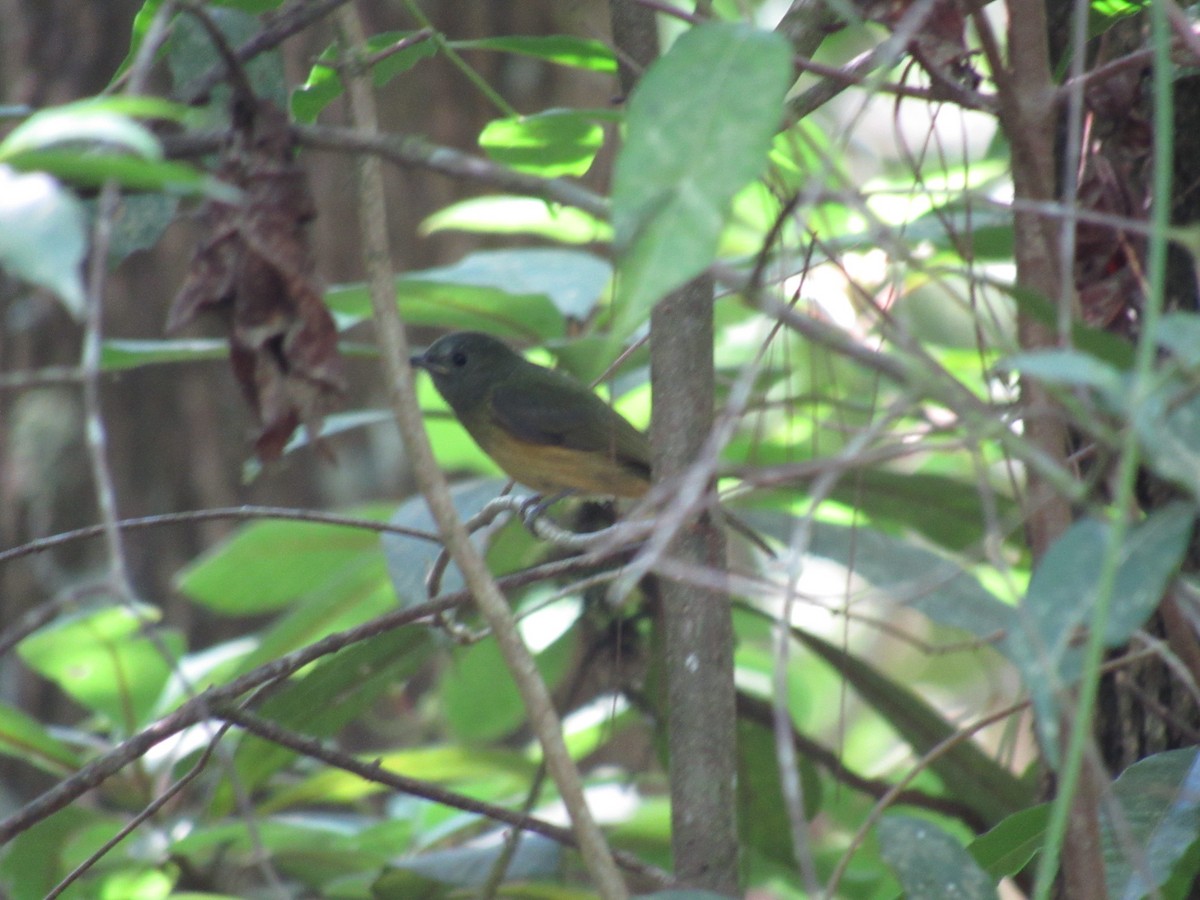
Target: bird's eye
x,y
459,359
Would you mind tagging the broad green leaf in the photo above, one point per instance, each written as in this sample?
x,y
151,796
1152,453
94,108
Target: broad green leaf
x,y
190,54
956,521
25,738
409,560
1044,637
700,125
447,764
1167,422
1071,368
550,144
268,565
502,214
324,84
920,578
1104,345
139,222
119,354
1155,823
970,775
31,863
762,818
561,49
536,857
1009,847
480,700
326,698
348,595
929,862
105,661
1179,332
43,235
522,294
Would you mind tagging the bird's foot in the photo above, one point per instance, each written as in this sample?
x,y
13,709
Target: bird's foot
x,y
533,508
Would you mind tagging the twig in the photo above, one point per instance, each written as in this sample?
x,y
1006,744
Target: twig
x,y
410,150
375,772
150,809
290,20
285,513
891,797
198,708
395,354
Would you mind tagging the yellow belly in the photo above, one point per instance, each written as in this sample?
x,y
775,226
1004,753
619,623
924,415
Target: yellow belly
x,y
549,469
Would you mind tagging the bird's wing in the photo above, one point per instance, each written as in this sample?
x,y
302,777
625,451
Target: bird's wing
x,y
564,414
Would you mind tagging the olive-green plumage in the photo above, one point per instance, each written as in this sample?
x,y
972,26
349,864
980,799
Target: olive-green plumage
x,y
544,428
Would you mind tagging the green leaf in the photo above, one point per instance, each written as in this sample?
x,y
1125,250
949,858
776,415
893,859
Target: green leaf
x,y
521,294
929,862
319,703
762,818
549,144
536,857
139,222
190,54
25,738
1104,345
324,84
1179,333
480,699
956,521
134,173
1043,639
1009,847
503,214
105,661
117,355
409,559
1155,824
83,123
700,125
448,764
920,578
43,235
970,775
32,862
1167,422
268,565
1071,368
561,49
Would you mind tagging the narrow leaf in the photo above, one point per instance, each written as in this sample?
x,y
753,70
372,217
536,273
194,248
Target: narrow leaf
x,y
1045,637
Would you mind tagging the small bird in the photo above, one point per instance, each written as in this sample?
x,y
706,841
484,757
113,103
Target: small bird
x,y
542,427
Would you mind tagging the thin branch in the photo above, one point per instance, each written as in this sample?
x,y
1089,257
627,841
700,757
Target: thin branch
x,y
375,772
241,513
412,151
394,348
149,810
885,802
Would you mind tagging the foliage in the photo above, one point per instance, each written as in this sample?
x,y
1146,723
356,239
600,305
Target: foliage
x,y
868,352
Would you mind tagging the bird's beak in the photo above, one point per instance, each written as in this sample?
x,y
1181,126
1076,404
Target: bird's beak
x,y
424,362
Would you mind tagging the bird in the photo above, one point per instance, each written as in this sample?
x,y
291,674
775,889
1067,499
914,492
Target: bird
x,y
545,429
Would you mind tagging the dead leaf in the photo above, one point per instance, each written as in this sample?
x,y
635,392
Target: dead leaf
x,y
255,267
